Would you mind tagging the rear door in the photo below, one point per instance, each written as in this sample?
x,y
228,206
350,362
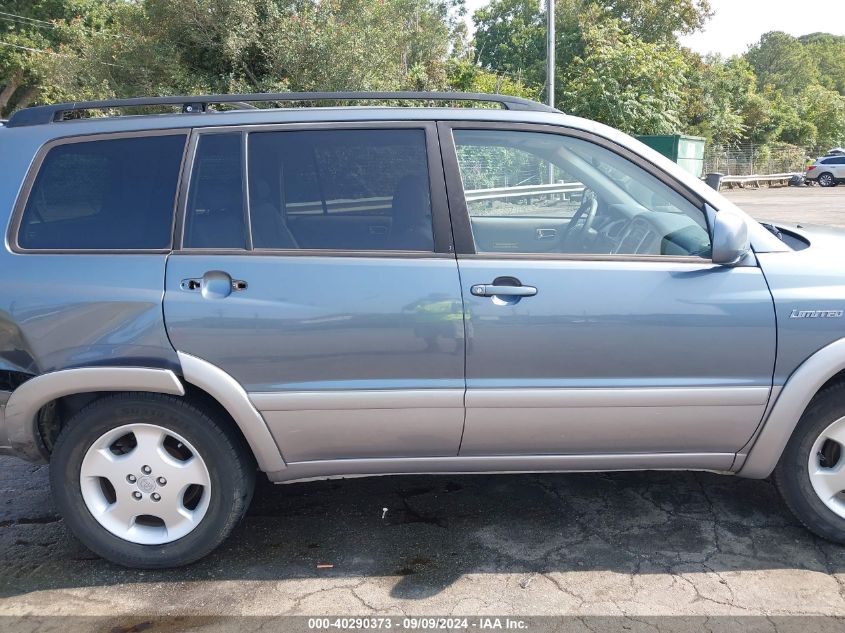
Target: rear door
x,y
596,322
316,268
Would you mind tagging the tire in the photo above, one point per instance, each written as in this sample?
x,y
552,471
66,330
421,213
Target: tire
x,y
826,179
823,417
169,434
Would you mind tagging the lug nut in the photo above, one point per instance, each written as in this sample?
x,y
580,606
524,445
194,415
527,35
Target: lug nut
x,y
146,470
137,495
131,479
156,496
161,481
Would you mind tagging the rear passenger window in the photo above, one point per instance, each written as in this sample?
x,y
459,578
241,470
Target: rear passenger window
x,y
340,189
105,194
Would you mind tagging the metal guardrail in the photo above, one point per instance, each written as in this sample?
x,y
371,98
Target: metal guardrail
x,y
755,179
381,205
523,191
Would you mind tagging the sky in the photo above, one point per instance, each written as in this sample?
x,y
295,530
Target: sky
x,y
739,23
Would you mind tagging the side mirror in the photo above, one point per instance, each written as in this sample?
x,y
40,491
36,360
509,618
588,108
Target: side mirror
x,y
730,238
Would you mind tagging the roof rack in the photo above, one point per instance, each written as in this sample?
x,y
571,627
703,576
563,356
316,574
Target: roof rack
x,y
39,115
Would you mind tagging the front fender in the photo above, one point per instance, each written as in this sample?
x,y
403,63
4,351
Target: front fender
x,y
793,399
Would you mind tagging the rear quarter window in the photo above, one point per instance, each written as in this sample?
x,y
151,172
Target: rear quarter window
x,y
109,194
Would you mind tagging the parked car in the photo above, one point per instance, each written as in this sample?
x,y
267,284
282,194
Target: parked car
x,y
828,171
191,298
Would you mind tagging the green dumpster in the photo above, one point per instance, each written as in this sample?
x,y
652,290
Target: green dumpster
x,y
687,151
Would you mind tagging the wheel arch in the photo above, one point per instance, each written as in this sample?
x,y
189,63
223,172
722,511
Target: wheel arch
x,y
813,375
25,404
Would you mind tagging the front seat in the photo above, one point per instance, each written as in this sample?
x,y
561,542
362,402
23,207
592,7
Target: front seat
x,y
269,229
411,227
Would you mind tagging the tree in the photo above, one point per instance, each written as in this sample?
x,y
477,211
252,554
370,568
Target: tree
x,y
717,94
659,20
782,61
465,76
510,37
824,109
828,53
32,30
622,81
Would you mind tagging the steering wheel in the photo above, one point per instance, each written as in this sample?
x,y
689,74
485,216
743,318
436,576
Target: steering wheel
x,y
586,215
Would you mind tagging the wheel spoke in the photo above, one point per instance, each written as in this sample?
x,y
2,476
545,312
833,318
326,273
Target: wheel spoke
x,y
183,474
122,511
174,514
829,482
149,439
102,462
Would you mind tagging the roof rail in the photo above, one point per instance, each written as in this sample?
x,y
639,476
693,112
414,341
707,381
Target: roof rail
x,y
39,115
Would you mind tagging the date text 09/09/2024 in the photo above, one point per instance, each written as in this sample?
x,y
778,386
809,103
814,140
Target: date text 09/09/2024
x,y
485,623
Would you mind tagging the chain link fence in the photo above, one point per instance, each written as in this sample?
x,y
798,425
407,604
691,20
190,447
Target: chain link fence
x,y
747,159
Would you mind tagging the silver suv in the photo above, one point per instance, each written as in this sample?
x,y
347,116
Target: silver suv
x,y
828,171
191,297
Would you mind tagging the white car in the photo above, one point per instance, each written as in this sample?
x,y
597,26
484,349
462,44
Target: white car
x,y
828,171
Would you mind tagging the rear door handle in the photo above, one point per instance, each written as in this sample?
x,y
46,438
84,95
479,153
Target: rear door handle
x,y
490,290
215,284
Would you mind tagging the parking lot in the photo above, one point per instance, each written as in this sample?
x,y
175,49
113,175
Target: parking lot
x,y
811,205
626,544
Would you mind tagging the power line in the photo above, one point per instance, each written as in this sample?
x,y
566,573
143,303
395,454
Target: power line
x,y
41,24
27,48
16,20
55,54
23,17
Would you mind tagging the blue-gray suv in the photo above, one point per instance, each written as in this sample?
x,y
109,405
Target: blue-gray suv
x,y
189,297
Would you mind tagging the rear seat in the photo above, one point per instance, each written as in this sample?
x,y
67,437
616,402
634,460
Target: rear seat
x,y
336,231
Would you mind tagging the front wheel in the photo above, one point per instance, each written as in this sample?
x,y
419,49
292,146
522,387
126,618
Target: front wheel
x,y
149,481
811,472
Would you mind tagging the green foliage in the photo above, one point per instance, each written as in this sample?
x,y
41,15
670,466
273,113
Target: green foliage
x,y
782,61
659,20
633,85
718,92
618,61
161,47
465,76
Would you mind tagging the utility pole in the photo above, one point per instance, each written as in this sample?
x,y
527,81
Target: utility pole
x,y
550,52
550,64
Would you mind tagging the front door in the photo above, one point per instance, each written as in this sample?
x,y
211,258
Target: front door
x,y
596,323
330,292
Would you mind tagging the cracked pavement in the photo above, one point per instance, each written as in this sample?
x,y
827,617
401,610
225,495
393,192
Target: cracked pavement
x,y
632,544
637,545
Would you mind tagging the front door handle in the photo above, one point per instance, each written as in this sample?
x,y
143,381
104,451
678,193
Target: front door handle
x,y
490,290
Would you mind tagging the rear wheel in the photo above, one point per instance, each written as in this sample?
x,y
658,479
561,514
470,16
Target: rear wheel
x,y
147,480
826,179
811,472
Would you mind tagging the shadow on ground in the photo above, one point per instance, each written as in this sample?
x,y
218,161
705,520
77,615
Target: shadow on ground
x,y
437,528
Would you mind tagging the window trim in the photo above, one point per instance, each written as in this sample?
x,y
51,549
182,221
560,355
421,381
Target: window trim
x,y
441,221
462,228
34,169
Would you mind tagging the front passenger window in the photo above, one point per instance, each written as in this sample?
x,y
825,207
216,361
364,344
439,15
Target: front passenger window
x,y
534,192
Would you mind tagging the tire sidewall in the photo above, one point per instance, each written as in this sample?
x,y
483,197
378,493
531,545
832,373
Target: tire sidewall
x,y
109,413
792,473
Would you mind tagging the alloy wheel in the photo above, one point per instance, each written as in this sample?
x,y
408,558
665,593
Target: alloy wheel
x,y
145,484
